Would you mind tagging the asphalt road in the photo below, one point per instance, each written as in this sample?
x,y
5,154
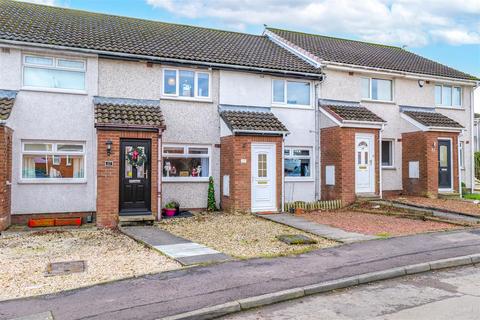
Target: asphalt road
x,y
452,294
169,293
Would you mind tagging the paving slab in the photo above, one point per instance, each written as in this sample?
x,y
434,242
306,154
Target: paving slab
x,y
318,229
182,250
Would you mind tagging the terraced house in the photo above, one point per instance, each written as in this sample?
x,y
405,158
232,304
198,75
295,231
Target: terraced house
x,y
113,117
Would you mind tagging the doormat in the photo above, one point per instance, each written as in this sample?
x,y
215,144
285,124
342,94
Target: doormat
x,y
63,268
181,214
294,239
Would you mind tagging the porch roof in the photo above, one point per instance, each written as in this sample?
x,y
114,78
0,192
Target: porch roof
x,y
7,99
253,121
347,111
128,113
430,118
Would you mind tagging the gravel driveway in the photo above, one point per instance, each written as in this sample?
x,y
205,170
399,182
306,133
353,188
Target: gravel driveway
x,y
109,255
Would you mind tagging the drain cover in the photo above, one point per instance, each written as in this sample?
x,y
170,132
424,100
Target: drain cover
x,y
295,239
62,268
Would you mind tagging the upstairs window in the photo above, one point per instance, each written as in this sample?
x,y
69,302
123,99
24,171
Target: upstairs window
x,y
298,162
291,92
53,72
186,83
448,96
53,161
377,89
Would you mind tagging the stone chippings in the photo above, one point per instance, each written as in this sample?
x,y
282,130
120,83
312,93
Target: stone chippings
x,y
250,120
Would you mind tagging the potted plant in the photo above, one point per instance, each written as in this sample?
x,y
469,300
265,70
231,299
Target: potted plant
x,y
170,209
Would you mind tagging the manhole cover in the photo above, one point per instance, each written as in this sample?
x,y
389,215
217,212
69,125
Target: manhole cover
x,y
62,268
295,239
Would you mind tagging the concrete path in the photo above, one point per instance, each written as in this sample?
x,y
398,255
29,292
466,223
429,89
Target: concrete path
x,y
318,229
182,250
440,295
168,293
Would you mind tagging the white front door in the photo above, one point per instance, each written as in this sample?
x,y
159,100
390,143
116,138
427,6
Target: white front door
x,y
263,178
364,163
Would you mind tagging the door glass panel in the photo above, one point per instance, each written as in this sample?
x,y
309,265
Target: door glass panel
x,y
128,167
262,165
141,169
443,156
359,158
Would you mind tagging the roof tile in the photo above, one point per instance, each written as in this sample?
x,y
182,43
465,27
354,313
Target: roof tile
x,y
252,121
432,119
7,100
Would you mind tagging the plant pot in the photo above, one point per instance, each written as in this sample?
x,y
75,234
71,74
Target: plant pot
x,y
170,212
298,211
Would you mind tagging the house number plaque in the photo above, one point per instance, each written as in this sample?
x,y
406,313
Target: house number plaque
x,y
108,163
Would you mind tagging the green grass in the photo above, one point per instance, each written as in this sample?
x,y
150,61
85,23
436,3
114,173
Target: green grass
x,y
472,196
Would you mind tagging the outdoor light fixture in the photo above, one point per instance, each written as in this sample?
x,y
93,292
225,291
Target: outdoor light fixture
x,y
421,83
109,147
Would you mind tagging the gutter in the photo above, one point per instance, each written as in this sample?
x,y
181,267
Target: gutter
x,y
282,133
159,59
283,173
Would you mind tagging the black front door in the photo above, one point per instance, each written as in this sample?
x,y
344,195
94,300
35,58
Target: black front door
x,y
444,164
135,177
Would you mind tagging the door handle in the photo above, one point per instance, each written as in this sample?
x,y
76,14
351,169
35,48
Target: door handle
x,y
145,174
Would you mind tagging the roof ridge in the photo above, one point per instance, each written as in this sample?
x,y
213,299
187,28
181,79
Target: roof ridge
x,y
338,38
96,13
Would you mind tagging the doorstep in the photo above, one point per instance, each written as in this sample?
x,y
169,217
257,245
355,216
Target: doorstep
x,y
136,219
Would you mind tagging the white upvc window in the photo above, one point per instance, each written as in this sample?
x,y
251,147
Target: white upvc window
x,y
377,89
448,96
388,153
291,92
60,161
185,83
186,162
54,73
462,154
298,163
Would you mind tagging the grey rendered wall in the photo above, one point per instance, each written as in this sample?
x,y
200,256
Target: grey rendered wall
x,y
188,122
50,116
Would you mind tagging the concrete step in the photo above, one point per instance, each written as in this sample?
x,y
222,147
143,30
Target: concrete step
x,y
449,195
136,220
362,197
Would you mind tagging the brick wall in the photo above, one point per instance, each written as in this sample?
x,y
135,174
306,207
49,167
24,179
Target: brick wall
x,y
108,180
423,147
337,147
5,176
232,150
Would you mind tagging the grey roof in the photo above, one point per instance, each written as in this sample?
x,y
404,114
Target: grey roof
x,y
349,111
368,54
27,22
432,119
246,121
122,112
7,100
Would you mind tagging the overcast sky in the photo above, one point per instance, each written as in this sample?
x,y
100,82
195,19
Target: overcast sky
x,y
447,31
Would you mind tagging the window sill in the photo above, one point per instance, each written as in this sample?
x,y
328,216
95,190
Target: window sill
x,y
299,179
388,168
52,181
53,90
178,98
185,179
378,101
291,106
450,108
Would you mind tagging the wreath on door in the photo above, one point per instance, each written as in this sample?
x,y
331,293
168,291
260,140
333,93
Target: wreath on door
x,y
136,157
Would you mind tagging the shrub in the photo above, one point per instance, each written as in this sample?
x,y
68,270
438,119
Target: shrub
x,y
212,205
477,165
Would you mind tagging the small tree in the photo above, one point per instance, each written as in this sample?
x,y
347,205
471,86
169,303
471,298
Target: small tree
x,y
212,205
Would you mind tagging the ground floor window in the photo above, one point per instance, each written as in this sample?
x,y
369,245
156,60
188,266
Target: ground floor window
x,y
387,153
298,162
191,163
53,160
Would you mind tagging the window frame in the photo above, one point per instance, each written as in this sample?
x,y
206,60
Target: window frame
x,y
392,89
452,87
291,156
392,154
185,154
54,66
285,94
52,153
177,95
